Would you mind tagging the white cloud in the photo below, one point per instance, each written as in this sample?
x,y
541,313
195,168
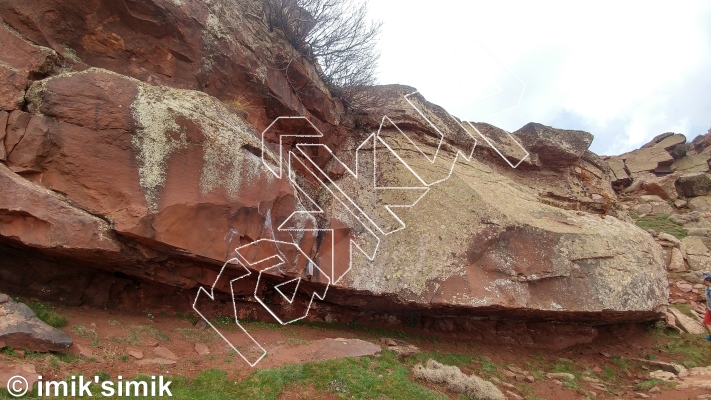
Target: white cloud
x,y
625,71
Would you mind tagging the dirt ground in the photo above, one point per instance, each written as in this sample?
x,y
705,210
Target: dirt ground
x,y
108,338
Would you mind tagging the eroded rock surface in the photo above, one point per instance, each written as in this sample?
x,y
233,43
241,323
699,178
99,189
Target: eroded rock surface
x,y
20,328
133,165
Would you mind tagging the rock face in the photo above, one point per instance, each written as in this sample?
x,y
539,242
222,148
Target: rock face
x,y
20,328
136,159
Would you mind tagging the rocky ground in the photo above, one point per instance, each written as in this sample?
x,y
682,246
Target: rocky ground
x,y
644,362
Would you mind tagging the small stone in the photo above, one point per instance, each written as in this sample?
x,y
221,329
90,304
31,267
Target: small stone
x,y
21,353
520,378
201,324
391,342
669,238
684,286
165,353
560,375
655,389
201,349
557,382
680,203
597,370
530,379
662,375
676,262
26,370
150,343
513,395
159,361
135,353
598,387
590,379
508,374
515,369
641,395
84,351
606,355
505,384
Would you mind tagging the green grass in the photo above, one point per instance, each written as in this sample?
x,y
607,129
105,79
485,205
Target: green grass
x,y
568,366
456,359
193,319
133,336
349,378
660,223
47,314
650,383
686,310
689,350
85,332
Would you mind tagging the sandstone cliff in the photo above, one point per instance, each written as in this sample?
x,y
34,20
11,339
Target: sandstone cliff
x,y
141,144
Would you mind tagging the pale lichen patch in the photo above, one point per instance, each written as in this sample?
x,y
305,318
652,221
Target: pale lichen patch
x,y
156,110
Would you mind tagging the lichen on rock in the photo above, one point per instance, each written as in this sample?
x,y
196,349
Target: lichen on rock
x,y
159,134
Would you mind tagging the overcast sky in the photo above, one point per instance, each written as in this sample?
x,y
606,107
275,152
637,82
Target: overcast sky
x,y
624,71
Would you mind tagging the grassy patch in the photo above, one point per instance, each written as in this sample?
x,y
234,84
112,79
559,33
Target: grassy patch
x,y
47,314
660,223
650,383
360,378
85,332
194,335
135,332
456,359
686,310
193,319
689,350
568,366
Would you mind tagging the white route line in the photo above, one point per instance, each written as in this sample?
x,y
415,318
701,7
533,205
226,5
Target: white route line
x,y
339,193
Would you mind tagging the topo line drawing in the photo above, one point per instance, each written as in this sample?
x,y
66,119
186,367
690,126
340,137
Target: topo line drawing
x,y
373,225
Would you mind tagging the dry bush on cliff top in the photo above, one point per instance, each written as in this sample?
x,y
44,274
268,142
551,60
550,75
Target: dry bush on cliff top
x,y
334,34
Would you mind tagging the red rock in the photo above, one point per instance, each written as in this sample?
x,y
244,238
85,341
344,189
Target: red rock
x,y
135,353
12,88
25,370
203,46
23,56
3,126
163,352
40,219
83,350
201,349
16,125
684,287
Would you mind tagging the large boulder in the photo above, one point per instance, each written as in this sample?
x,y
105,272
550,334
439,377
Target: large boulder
x,y
648,159
692,185
554,147
140,185
698,254
20,328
